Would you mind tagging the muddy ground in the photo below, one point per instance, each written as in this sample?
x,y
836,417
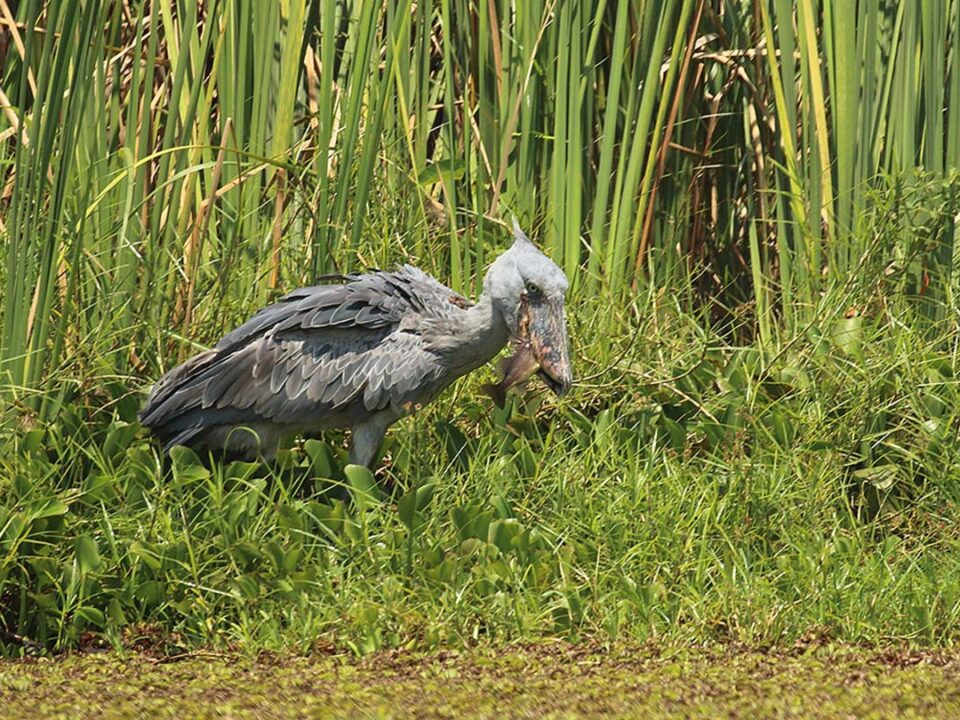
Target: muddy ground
x,y
552,679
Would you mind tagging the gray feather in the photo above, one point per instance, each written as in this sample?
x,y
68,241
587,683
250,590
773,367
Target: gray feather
x,y
328,355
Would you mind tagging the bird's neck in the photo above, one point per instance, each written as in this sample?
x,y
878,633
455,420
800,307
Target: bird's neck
x,y
478,334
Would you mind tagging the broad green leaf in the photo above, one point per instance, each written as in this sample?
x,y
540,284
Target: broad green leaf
x,y
882,477
848,335
118,439
363,487
448,171
93,616
54,507
321,458
88,555
407,508
187,467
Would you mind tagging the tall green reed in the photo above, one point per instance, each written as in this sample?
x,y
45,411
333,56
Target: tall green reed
x,y
168,164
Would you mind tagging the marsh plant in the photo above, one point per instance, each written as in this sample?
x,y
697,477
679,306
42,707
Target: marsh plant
x,y
755,201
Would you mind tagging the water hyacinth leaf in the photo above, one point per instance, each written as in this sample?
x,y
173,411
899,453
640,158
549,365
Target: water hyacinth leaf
x,y
321,458
54,507
676,433
794,374
731,417
88,555
291,559
31,440
142,464
425,494
254,495
715,433
402,457
148,555
735,376
472,522
818,340
247,554
782,427
331,520
291,517
13,525
115,614
407,509
459,449
725,387
46,602
99,487
363,487
933,404
847,335
187,467
91,615
352,531
939,369
525,461
21,485
502,505
240,470
890,545
601,426
474,547
461,519
150,592
247,586
118,439
446,171
567,610
503,532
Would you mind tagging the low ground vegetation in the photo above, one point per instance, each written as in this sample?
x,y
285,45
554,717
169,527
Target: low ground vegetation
x,y
694,487
756,203
547,680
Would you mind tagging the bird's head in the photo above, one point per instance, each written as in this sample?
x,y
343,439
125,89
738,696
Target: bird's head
x,y
524,280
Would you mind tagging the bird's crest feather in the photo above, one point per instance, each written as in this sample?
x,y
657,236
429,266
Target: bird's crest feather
x,y
518,235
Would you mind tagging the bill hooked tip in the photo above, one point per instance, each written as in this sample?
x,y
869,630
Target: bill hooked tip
x,y
559,383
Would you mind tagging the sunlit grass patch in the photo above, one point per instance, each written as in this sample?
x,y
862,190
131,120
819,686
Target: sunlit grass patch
x,y
692,489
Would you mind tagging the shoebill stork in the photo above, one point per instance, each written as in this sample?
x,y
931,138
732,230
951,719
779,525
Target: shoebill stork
x,y
359,353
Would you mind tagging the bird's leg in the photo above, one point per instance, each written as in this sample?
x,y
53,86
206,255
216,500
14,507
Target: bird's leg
x,y
367,437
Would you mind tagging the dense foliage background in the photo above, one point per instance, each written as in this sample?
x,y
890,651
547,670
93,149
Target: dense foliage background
x,y
756,201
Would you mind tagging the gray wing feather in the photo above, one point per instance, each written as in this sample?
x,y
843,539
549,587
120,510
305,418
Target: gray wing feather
x,y
321,306
318,350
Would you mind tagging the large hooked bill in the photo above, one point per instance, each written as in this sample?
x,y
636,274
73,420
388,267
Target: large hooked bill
x,y
540,348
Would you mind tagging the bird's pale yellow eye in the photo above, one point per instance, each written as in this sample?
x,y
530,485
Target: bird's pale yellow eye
x,y
532,290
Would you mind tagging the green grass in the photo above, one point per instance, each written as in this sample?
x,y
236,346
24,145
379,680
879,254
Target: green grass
x,y
763,440
691,489
549,680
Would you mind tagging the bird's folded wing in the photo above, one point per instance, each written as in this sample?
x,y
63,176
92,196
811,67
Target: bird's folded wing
x,y
298,381
319,350
375,300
